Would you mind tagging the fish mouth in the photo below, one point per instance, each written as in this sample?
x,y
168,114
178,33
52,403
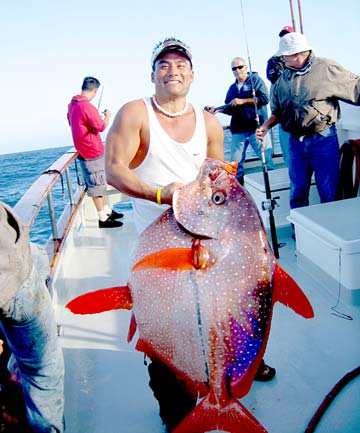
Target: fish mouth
x,y
191,234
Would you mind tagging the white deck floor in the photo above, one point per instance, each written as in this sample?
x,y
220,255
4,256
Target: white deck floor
x,y
106,384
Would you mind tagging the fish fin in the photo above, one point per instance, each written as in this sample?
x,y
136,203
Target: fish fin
x,y
142,346
113,298
231,417
172,258
132,328
287,292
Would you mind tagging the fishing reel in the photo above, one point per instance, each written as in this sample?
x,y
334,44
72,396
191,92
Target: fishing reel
x,y
269,204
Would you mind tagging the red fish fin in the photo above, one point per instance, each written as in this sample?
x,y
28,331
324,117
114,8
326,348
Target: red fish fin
x,y
241,387
232,417
132,328
114,298
287,291
173,258
142,346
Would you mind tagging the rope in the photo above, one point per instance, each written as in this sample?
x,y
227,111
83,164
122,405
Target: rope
x,y
330,397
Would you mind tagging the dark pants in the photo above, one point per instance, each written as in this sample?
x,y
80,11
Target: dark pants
x,y
174,400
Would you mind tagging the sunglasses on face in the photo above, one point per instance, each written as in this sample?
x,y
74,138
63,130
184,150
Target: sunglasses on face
x,y
234,68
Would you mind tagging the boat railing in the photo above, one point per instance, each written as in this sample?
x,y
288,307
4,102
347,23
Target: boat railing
x,y
252,160
41,191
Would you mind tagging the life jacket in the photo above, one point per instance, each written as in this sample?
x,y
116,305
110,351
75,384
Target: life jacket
x,y
349,169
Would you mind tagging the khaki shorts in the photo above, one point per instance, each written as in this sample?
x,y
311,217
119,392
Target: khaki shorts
x,y
94,176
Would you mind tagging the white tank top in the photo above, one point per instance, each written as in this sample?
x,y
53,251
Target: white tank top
x,y
167,161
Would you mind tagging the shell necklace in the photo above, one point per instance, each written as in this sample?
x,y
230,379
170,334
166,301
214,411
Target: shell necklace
x,y
169,113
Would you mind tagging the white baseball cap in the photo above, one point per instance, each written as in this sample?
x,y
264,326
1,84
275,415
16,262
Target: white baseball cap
x,y
292,43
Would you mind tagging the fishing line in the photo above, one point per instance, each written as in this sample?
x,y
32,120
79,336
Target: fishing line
x,y
270,203
251,77
336,312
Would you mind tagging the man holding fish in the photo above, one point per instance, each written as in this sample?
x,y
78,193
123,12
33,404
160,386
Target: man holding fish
x,y
154,147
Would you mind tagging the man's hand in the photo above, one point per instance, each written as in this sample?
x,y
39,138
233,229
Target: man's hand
x,y
210,109
261,132
167,192
236,101
107,114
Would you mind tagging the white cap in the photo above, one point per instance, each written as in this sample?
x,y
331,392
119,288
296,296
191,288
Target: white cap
x,y
292,43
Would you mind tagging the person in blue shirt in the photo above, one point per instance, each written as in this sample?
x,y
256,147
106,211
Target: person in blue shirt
x,y
240,105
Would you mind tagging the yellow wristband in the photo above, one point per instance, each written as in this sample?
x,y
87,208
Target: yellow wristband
x,y
158,196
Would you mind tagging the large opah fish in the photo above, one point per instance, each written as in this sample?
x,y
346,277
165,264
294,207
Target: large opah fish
x,y
202,290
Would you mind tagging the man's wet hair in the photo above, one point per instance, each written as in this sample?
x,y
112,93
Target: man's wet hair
x,y
90,83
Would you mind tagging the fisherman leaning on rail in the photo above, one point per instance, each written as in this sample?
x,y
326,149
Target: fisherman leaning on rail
x,y
28,322
86,125
154,147
247,90
305,100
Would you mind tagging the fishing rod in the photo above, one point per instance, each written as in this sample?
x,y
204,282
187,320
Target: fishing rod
x,y
270,203
213,109
293,16
300,17
102,89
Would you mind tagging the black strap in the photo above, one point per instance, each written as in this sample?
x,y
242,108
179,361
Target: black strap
x,y
54,171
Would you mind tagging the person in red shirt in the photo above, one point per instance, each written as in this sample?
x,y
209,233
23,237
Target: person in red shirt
x,y
86,125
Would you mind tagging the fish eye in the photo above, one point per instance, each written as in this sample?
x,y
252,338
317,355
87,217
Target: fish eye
x,y
218,197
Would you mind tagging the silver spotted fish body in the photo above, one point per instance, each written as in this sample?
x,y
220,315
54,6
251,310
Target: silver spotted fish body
x,y
215,317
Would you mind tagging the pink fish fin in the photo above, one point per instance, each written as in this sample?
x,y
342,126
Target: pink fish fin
x,y
113,298
232,417
287,291
172,258
132,328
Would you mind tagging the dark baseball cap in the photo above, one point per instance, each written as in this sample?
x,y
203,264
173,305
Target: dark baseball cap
x,y
170,44
285,30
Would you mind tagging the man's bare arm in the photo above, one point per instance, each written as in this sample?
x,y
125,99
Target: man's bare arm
x,y
124,153
215,135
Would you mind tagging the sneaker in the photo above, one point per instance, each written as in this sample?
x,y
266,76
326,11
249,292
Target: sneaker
x,y
265,373
110,223
116,215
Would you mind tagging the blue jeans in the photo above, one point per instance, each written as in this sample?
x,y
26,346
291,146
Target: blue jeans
x,y
28,322
239,145
284,137
318,154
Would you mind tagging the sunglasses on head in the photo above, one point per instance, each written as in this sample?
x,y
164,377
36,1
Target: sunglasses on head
x,y
234,68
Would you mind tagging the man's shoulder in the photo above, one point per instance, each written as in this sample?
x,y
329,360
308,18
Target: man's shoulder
x,y
256,78
135,107
324,61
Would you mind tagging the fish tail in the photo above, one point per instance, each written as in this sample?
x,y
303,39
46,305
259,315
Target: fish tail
x,y
233,417
114,298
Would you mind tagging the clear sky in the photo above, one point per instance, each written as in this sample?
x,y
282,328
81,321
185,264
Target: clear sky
x,y
46,48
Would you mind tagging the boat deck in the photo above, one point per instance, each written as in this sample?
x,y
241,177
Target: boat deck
x,y
106,383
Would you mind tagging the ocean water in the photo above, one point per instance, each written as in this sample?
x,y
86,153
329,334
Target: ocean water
x,y
19,171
